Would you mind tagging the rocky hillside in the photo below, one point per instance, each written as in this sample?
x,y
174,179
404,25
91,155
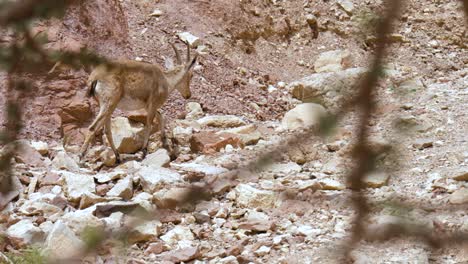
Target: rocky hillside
x,y
267,70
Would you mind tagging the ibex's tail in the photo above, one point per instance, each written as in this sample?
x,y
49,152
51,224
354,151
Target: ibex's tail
x,y
91,88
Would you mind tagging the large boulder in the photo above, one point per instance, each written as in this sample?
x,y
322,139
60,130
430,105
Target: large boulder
x,y
459,196
62,161
210,142
182,134
123,188
41,147
176,235
25,233
303,116
189,38
62,243
73,118
157,159
45,207
148,230
128,135
171,198
376,179
459,174
250,197
28,155
194,111
152,178
78,184
248,134
79,220
332,61
221,121
77,111
346,5
181,255
327,88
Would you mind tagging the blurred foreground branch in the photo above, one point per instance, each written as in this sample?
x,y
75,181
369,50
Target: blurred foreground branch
x,y
16,16
365,103
23,11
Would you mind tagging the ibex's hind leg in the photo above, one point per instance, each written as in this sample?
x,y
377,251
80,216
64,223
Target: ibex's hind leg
x,y
112,104
108,98
108,132
97,125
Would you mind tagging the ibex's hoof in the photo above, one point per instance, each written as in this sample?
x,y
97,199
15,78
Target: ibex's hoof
x,y
118,160
145,152
166,146
81,161
173,156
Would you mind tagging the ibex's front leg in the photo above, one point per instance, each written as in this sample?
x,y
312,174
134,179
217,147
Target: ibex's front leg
x,y
162,130
149,127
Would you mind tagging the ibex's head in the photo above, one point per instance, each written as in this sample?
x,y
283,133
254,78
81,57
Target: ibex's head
x,y
185,71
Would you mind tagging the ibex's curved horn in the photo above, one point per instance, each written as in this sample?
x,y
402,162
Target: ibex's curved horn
x,y
179,60
188,52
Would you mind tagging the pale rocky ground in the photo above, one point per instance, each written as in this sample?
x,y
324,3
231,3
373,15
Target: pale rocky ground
x,y
295,208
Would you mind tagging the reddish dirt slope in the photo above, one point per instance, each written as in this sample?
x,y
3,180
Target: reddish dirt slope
x,y
250,45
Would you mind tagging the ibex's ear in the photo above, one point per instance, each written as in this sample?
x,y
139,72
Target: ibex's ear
x,y
192,64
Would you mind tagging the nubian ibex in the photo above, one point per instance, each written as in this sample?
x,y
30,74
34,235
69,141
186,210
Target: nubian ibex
x,y
131,85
